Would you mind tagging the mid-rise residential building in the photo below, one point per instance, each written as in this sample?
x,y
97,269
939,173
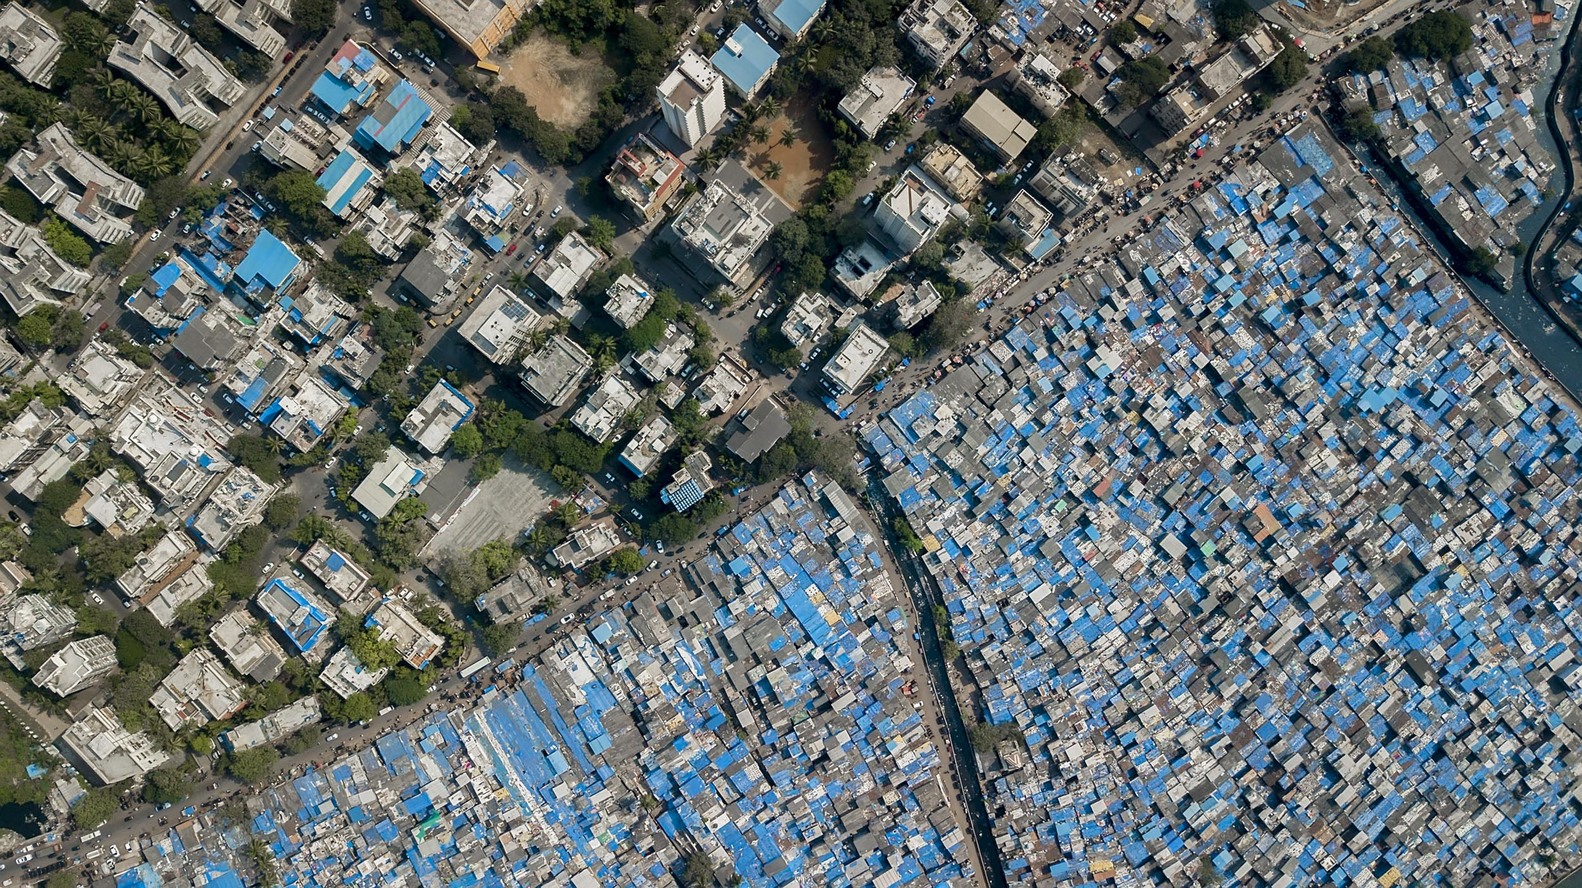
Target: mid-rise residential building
x,y
628,300
171,65
859,355
723,232
260,374
605,408
1004,131
346,675
912,212
1024,220
79,187
1036,78
445,159
500,326
914,304
152,570
98,745
345,580
724,384
745,59
354,358
648,445
499,196
880,94
212,337
478,25
1067,183
588,544
316,315
808,318
692,98
416,644
252,21
274,727
441,412
691,483
309,410
98,378
29,433
753,433
299,614
668,356
937,29
119,507
791,19
198,691
554,372
77,665
947,166
237,504
29,44
353,77
29,622
434,275
644,176
32,274
248,646
561,273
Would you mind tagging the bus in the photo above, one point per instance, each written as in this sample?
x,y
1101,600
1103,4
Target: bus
x,y
475,668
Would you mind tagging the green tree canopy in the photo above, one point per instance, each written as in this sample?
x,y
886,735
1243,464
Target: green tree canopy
x,y
624,561
253,766
1440,35
1370,55
95,807
1142,79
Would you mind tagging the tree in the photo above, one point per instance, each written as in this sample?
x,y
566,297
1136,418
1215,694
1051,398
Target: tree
x,y
406,188
600,232
673,528
66,243
260,454
1440,35
313,16
1370,55
166,786
95,807
1071,77
949,325
404,688
467,441
1123,32
1142,79
302,198
624,561
1358,124
497,638
1480,260
66,878
282,511
487,466
1288,69
1234,18
358,707
773,169
253,766
699,871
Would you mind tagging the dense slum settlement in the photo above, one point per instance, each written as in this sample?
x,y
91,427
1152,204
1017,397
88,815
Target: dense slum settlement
x,y
1263,538
759,708
1463,135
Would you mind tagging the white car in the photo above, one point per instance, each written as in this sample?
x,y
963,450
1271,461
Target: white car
x,y
248,125
97,598
567,619
660,545
556,211
267,568
653,564
155,235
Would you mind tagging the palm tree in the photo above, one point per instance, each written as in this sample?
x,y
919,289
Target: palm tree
x,y
759,133
769,107
102,81
159,164
773,170
183,140
96,133
144,108
123,155
119,92
787,138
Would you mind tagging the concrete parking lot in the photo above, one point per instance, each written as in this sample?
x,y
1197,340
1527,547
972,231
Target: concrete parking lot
x,y
501,507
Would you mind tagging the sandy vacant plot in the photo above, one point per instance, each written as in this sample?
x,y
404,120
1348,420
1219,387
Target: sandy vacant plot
x,y
562,87
803,163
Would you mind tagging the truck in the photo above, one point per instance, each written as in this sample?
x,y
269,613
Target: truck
x,y
475,667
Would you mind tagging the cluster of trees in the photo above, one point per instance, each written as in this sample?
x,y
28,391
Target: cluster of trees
x,y
1234,19
50,326
396,333
466,577
802,451
123,123
301,198
159,198
356,269
1440,36
406,188
1142,79
985,737
313,528
1370,55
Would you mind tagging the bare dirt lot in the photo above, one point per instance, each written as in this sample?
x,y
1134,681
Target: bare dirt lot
x,y
561,86
803,163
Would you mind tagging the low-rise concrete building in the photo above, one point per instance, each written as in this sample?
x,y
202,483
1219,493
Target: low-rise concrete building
x,y
997,126
102,748
170,555
350,183
299,614
32,274
1024,220
605,409
648,445
77,665
198,691
434,275
29,433
791,19
914,304
119,507
554,372
172,66
309,410
237,504
500,326
724,384
1036,78
861,354
645,176
249,648
668,356
29,44
416,644
515,598
441,412
78,186
1066,183
761,428
390,481
30,622
746,60
253,21
937,29
499,197
445,159
912,212
880,94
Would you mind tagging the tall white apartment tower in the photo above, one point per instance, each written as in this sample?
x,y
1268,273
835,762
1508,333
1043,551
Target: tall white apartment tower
x,y
692,98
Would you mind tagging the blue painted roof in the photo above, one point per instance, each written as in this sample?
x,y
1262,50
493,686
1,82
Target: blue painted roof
x,y
307,625
335,93
269,261
393,124
794,15
332,181
745,59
